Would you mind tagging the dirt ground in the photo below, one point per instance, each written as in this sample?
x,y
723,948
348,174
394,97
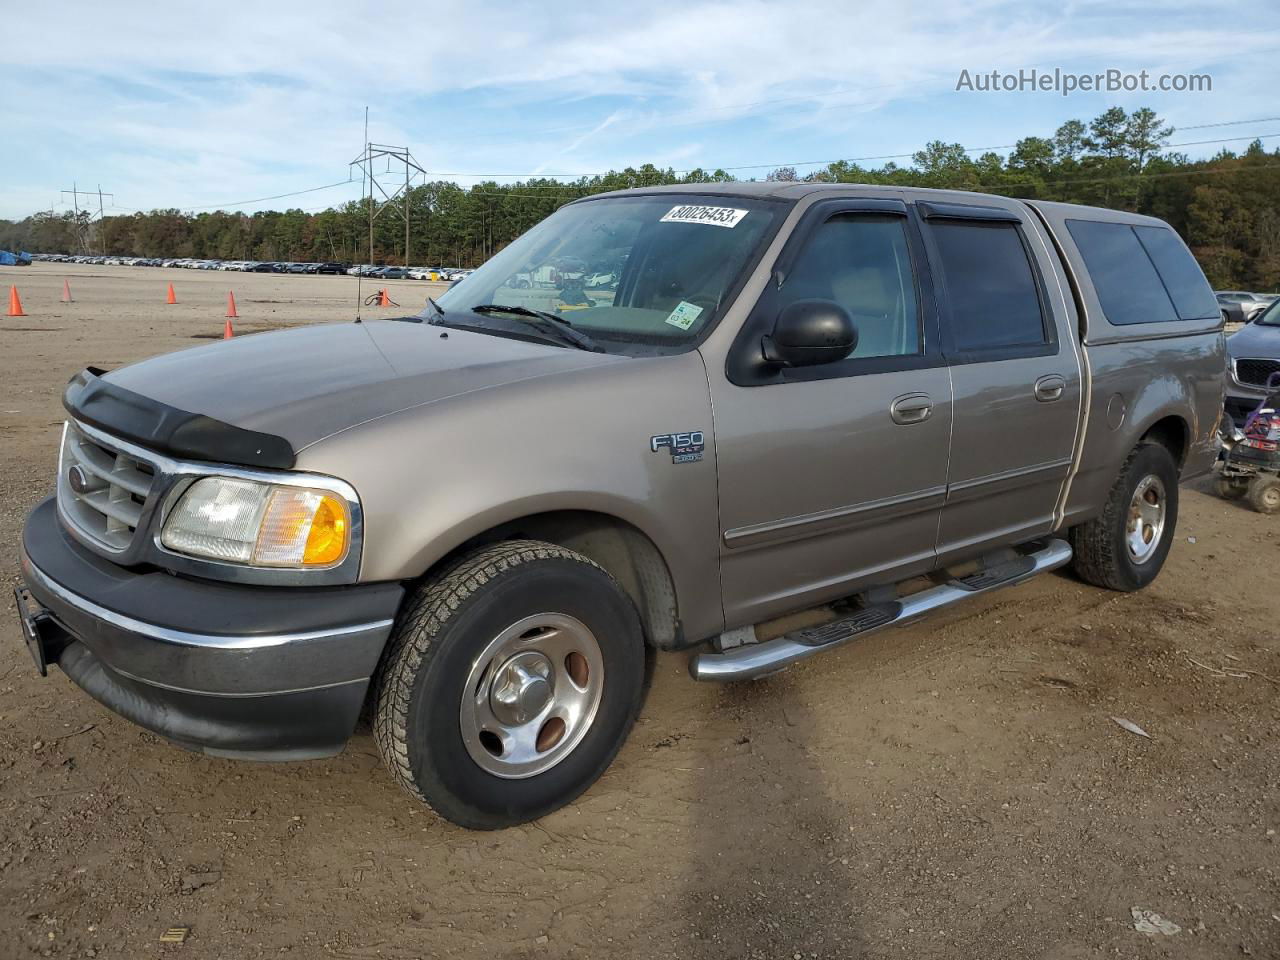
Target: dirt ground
x,y
952,789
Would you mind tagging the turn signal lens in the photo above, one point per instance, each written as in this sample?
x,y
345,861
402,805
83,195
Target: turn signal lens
x,y
302,528
327,541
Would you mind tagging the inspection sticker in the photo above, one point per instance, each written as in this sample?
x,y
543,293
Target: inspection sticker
x,y
693,213
683,315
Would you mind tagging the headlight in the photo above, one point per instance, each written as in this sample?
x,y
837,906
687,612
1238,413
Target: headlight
x,y
259,524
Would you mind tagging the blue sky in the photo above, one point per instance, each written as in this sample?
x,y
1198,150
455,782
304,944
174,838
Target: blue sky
x,y
201,105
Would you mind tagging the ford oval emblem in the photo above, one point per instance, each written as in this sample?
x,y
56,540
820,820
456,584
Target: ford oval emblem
x,y
78,479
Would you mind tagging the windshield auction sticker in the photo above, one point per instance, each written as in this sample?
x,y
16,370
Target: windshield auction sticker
x,y
716,216
684,314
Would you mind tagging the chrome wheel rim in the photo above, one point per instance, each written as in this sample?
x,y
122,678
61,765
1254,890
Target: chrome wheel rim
x,y
532,695
1146,519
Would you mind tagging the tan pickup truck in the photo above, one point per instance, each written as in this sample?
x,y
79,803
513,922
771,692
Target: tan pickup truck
x,y
480,522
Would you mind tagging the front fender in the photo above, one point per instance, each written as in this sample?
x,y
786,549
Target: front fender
x,y
433,477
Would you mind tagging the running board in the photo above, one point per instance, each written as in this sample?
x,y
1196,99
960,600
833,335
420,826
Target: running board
x,y
754,660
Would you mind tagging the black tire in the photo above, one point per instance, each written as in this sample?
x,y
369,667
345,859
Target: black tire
x,y
1102,556
445,624
1230,488
1264,493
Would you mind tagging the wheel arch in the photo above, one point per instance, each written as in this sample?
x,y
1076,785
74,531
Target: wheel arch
x,y
1173,433
624,550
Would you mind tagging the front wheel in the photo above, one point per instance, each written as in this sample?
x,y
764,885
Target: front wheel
x,y
510,683
1125,547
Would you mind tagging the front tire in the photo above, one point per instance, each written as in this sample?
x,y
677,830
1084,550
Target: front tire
x,y
1125,548
511,681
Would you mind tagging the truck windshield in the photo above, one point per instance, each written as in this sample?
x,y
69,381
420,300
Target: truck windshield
x,y
640,274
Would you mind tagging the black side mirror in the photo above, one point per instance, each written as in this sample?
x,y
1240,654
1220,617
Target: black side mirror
x,y
809,332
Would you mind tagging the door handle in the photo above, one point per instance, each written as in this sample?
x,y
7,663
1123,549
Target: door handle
x,y
911,408
1050,388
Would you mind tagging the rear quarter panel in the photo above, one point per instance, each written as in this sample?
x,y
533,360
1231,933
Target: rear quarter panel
x,y
1137,383
1139,375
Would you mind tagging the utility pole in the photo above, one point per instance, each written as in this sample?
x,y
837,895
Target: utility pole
x,y
398,199
82,227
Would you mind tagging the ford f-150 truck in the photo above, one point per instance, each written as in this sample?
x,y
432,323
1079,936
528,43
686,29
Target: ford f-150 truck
x,y
478,523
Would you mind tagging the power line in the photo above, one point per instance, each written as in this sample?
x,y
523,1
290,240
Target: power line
x,y
1132,176
1227,123
278,196
809,163
752,166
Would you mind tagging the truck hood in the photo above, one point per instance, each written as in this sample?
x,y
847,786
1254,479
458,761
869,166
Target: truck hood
x,y
308,383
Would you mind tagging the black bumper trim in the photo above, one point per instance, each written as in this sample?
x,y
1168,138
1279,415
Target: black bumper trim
x,y
267,673
286,726
202,636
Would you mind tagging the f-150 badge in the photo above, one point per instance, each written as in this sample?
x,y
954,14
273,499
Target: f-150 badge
x,y
684,447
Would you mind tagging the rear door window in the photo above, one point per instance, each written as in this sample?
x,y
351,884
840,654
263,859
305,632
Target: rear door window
x,y
992,296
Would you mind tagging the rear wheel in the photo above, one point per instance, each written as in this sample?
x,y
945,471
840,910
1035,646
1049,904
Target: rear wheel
x,y
1125,547
1264,493
511,682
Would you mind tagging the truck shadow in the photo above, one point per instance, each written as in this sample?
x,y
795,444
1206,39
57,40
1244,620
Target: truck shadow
x,y
772,862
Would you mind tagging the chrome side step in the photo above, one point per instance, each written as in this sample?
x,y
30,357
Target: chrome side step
x,y
754,660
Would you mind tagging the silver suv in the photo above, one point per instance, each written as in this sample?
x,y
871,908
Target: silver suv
x,y
657,421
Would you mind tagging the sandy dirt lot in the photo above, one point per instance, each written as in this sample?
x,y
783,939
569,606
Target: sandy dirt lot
x,y
952,789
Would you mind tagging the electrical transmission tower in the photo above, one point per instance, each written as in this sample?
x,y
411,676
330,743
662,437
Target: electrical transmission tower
x,y
83,224
398,197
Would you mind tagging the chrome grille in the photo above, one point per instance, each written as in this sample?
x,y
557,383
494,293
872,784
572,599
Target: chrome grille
x,y
113,488
1255,371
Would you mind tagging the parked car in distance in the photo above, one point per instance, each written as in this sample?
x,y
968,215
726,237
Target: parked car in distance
x,y
390,273
263,267
1250,304
859,403
331,266
297,268
1253,355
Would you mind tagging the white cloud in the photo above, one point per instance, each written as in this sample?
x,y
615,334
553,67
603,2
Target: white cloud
x,y
182,104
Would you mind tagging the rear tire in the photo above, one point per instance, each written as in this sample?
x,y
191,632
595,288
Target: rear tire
x,y
511,681
1264,493
1125,548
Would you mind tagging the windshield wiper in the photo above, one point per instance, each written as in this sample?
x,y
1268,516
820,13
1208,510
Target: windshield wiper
x,y
559,326
437,308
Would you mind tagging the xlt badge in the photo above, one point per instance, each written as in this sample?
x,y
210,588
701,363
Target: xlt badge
x,y
684,447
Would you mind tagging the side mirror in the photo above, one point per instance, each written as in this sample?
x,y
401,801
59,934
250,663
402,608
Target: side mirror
x,y
810,332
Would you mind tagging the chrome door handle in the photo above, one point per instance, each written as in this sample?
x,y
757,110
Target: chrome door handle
x,y
911,408
1050,388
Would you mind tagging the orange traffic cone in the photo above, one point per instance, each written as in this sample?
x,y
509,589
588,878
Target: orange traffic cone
x,y
227,332
66,291
231,307
383,299
15,305
171,298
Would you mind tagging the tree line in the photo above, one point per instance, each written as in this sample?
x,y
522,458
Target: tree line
x,y
1227,207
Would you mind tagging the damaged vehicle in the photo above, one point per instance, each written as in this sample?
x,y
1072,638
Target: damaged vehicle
x,y
478,524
